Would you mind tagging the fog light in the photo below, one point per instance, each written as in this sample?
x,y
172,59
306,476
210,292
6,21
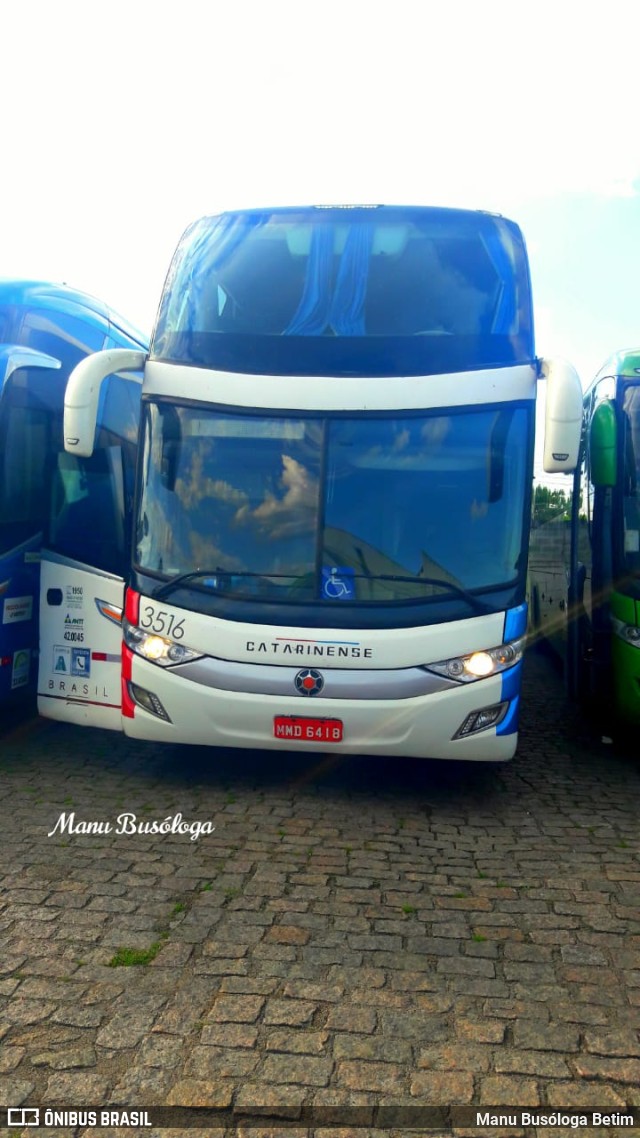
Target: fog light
x,y
148,700
482,719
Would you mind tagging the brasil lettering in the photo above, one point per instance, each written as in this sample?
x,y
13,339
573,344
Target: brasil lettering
x,y
71,688
325,649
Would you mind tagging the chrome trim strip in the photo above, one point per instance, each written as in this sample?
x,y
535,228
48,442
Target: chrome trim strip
x,y
339,683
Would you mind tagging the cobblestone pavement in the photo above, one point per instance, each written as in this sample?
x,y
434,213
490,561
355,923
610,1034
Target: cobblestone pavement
x,y
352,932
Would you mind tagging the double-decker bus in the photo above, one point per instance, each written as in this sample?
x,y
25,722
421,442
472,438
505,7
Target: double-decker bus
x,y
585,557
330,533
45,330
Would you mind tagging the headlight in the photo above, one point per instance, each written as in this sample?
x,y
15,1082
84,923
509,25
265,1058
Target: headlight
x,y
156,648
630,633
477,665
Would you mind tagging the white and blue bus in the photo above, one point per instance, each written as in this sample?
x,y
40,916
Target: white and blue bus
x,y
45,330
330,531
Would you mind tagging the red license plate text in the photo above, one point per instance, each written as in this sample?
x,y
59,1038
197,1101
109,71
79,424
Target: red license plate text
x,y
307,730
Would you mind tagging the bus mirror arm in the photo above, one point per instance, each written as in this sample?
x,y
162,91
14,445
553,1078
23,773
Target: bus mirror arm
x,y
563,416
82,395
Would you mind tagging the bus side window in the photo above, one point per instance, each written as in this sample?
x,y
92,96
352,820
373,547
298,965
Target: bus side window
x,y
87,522
65,337
118,418
93,497
29,437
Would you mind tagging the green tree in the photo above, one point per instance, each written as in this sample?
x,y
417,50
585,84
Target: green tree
x,y
550,505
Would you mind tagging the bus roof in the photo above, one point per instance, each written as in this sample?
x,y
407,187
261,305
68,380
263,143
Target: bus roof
x,y
62,298
625,362
384,212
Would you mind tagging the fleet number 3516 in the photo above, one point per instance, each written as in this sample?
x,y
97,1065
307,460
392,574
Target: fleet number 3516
x,y
162,622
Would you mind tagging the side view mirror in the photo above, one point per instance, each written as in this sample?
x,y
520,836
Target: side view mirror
x,y
563,416
82,396
603,437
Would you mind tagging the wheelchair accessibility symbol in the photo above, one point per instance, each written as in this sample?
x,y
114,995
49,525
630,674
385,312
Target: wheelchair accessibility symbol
x,y
338,584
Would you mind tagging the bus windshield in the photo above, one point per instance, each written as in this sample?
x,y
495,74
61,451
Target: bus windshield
x,y
333,509
372,291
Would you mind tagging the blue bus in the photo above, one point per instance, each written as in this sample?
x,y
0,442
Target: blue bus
x,y
45,330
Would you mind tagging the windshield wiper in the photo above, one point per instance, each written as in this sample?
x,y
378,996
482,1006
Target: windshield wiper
x,y
454,589
180,579
183,578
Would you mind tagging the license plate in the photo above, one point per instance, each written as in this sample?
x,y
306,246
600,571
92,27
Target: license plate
x,y
306,729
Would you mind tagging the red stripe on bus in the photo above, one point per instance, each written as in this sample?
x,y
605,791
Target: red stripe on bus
x,y
131,612
128,706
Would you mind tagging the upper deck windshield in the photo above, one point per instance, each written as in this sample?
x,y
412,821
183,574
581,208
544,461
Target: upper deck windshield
x,y
631,477
384,290
334,511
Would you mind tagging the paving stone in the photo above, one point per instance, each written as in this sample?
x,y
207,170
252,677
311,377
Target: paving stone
x,y
544,1063
293,1013
287,934
588,1095
345,1018
441,1088
298,1042
72,1086
229,1035
63,1060
614,1070
221,1063
10,1057
21,1011
251,985
385,1078
202,1092
377,1047
14,1091
509,1090
302,990
236,1009
545,1037
294,1069
481,1031
454,1057
621,1043
283,1101
161,1051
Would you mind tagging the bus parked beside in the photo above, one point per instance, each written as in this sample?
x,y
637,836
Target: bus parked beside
x,y
585,560
331,524
45,330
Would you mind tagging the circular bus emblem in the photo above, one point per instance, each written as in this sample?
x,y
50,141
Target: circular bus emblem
x,y
309,682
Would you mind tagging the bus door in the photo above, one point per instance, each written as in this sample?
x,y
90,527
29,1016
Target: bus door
x,y
83,568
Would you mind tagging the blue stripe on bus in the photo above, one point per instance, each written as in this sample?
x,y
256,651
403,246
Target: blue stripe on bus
x,y
511,682
515,623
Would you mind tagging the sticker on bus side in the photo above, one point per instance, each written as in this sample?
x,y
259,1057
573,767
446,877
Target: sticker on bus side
x,y
17,609
21,668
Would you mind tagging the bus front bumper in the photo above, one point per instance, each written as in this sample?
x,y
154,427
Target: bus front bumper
x,y
423,726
